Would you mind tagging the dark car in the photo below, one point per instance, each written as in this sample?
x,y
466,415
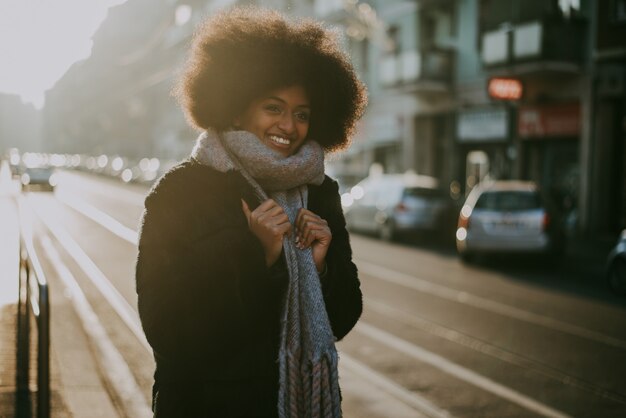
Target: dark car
x,y
38,178
616,266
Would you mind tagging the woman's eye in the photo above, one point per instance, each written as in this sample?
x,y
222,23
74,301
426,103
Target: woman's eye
x,y
273,108
303,116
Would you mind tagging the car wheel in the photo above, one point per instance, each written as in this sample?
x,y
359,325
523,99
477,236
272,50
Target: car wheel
x,y
387,232
617,276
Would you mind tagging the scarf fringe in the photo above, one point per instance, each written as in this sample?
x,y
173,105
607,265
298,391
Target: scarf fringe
x,y
317,394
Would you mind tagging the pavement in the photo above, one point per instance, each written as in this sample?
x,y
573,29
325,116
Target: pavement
x,y
77,386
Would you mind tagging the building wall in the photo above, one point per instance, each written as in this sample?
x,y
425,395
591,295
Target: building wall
x,y
20,125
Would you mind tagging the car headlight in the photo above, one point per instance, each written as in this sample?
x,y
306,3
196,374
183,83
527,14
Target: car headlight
x,y
53,180
25,179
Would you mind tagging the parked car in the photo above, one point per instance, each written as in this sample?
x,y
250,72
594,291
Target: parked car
x,y
616,266
393,205
511,217
38,178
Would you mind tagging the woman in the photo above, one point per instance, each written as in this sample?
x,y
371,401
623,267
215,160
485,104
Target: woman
x,y
244,273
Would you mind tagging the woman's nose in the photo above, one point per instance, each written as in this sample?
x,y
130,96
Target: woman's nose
x,y
287,123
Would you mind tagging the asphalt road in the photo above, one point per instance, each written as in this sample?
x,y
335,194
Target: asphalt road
x,y
504,338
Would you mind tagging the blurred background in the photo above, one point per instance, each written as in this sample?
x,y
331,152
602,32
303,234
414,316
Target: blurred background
x,y
485,190
459,90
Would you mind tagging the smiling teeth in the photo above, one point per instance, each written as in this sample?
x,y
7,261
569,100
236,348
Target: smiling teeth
x,y
280,140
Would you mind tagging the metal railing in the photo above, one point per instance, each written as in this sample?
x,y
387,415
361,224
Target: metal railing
x,y
33,297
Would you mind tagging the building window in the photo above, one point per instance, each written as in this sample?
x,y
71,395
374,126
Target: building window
x,y
392,44
618,12
569,8
496,13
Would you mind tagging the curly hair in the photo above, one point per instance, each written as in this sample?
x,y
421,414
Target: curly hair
x,y
238,55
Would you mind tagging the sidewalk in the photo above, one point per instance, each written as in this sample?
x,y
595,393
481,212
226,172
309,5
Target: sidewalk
x,y
8,298
76,387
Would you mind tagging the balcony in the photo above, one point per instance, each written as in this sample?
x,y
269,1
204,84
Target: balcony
x,y
535,46
426,70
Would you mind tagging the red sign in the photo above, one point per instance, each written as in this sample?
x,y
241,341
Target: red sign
x,y
549,121
505,89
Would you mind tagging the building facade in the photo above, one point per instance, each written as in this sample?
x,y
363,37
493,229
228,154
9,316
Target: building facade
x,y
20,125
434,107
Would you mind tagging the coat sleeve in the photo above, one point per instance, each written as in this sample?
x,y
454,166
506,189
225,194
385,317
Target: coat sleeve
x,y
203,287
340,286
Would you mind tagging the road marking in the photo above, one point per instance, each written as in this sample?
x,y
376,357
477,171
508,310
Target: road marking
x,y
110,293
424,286
488,349
101,187
415,401
121,379
455,370
99,217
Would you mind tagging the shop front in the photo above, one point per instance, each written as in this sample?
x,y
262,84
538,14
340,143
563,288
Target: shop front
x,y
550,137
483,145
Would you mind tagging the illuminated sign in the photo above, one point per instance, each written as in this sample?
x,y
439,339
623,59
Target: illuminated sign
x,y
505,89
559,120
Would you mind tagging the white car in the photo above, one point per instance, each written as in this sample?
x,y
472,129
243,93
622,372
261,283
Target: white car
x,y
38,178
508,217
392,205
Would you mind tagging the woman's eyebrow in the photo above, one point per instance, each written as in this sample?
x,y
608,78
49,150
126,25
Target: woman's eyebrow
x,y
284,102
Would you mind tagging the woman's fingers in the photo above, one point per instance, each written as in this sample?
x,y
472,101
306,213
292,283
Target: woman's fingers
x,y
311,228
268,219
246,210
268,212
313,233
269,223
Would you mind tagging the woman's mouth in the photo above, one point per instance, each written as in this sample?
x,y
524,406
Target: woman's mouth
x,y
280,140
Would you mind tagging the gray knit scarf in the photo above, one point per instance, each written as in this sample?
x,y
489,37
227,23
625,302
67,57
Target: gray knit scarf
x,y
309,384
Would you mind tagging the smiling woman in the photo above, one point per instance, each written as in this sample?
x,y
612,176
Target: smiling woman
x,y
245,277
39,41
280,119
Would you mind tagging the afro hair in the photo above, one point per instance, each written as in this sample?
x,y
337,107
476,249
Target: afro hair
x,y
240,54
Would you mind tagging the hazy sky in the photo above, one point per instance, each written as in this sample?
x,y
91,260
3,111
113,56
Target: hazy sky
x,y
40,39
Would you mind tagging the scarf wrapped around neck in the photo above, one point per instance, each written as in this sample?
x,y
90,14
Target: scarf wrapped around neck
x,y
308,377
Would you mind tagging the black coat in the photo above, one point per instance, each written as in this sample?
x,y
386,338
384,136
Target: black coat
x,y
209,305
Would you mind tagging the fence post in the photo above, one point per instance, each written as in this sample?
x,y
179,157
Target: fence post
x,y
29,263
43,354
22,406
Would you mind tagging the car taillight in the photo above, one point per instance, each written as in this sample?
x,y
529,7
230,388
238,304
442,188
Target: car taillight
x,y
545,223
464,222
401,207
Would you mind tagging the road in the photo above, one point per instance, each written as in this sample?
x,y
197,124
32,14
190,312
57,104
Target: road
x,y
437,338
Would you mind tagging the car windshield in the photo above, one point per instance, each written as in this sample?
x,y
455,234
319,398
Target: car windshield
x,y
509,201
422,192
39,173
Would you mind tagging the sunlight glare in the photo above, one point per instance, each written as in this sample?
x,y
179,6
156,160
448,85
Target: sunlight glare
x,y
40,40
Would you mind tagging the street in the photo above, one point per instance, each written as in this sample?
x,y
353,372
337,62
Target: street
x,y
501,338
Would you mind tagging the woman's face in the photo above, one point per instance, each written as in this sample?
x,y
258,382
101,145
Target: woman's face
x,y
280,119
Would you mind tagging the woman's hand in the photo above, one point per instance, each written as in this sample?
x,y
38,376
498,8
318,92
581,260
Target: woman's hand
x,y
269,223
313,231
